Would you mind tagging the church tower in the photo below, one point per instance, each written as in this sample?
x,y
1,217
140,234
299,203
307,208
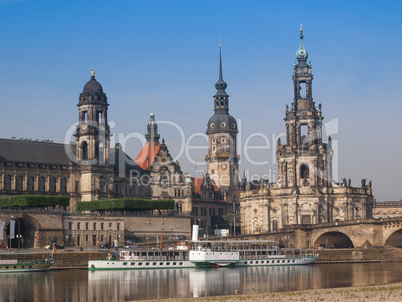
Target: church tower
x,y
222,159
92,143
304,162
92,133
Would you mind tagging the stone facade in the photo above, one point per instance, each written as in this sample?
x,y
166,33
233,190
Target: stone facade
x,y
305,192
388,209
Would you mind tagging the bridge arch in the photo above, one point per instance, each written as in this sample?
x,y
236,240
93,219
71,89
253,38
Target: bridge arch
x,y
25,232
334,239
394,239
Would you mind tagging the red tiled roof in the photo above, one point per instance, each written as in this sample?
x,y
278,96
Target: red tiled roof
x,y
148,151
197,182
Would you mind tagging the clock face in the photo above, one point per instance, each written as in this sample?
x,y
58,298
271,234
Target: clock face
x,y
224,166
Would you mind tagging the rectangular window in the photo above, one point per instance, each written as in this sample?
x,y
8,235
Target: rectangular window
x,y
78,225
94,225
70,225
86,237
110,226
101,238
118,226
102,226
87,225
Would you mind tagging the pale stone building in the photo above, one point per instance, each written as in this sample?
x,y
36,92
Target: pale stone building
x,y
305,192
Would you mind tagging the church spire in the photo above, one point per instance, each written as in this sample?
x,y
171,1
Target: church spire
x,y
152,135
221,84
301,54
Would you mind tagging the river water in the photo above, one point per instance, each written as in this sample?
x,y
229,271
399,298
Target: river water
x,y
83,285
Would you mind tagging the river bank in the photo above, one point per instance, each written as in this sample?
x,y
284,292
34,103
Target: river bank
x,y
374,293
68,258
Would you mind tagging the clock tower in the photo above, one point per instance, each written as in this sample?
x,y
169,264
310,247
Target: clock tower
x,y
222,159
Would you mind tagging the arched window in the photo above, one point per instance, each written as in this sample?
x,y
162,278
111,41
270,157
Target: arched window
x,y
304,171
52,184
84,151
30,183
275,226
8,183
20,183
63,185
42,184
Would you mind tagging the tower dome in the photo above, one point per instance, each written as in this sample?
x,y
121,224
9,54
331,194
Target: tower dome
x,y
93,92
93,86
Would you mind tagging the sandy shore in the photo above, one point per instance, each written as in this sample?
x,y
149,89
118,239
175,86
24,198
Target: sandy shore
x,y
389,292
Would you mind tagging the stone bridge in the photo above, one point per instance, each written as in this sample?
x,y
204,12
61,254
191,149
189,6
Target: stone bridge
x,y
36,228
344,234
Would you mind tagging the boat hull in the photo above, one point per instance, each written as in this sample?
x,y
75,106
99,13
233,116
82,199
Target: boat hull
x,y
94,265
25,267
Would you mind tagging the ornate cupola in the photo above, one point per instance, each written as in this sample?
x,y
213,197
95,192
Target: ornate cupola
x,y
92,133
301,54
222,158
152,130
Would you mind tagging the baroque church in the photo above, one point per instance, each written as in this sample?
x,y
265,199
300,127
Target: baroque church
x,y
305,192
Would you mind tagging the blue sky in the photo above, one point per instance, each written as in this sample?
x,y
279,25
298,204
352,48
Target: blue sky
x,y
164,54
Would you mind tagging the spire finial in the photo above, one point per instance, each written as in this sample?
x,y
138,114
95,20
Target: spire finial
x,y
301,27
220,42
92,72
220,60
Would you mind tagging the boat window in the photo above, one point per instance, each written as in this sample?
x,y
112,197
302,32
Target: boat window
x,y
251,262
293,260
147,263
180,263
174,263
140,263
22,266
256,262
154,263
283,261
124,263
132,263
278,261
167,263
161,263
6,267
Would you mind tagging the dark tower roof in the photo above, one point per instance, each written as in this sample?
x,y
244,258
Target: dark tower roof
x,y
221,84
93,86
93,91
221,121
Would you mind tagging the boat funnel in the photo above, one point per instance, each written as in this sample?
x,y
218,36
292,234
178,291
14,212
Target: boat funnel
x,y
195,233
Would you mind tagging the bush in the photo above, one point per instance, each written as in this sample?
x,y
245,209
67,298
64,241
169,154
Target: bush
x,y
132,204
34,201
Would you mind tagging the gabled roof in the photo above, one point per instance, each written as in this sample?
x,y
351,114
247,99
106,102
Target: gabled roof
x,y
149,151
198,181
